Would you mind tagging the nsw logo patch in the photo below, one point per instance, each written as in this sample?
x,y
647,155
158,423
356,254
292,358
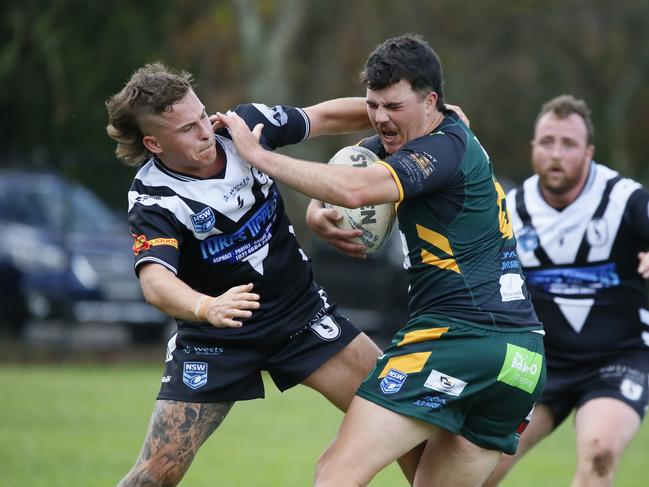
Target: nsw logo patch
x,y
195,374
393,381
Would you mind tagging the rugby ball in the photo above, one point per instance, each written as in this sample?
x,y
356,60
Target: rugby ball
x,y
375,221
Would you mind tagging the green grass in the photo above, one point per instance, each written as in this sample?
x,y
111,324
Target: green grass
x,y
84,425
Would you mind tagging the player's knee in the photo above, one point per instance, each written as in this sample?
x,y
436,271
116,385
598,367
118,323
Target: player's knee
x,y
601,460
329,473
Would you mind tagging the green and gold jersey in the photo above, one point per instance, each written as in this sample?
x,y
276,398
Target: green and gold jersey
x,y
460,250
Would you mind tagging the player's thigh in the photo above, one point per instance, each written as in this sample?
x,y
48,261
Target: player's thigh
x,y
450,459
605,424
540,426
177,429
370,437
339,377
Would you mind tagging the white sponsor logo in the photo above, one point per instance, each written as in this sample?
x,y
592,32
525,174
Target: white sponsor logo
x,y
276,115
438,381
171,346
631,390
511,287
519,363
165,379
326,328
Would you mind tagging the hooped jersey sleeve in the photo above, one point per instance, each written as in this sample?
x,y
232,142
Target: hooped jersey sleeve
x,y
156,235
283,125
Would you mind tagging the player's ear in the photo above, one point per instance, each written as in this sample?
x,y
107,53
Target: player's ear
x,y
151,143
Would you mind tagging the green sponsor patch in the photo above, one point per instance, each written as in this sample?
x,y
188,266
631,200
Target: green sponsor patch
x,y
522,368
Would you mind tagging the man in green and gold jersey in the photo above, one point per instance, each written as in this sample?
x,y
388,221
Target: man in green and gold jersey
x,y
461,377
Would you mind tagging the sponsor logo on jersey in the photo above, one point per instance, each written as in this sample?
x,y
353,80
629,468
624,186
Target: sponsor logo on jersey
x,y
393,381
521,368
171,346
527,239
140,243
203,350
144,197
253,234
236,188
326,328
426,163
195,374
262,178
275,115
631,389
597,232
574,280
204,220
165,379
432,402
441,382
511,287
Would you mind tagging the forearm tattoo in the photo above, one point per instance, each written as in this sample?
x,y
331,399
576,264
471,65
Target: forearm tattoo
x,y
176,431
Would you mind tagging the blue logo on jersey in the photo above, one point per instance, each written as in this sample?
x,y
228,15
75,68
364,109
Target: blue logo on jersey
x,y
574,280
392,382
252,235
204,220
432,402
527,238
195,374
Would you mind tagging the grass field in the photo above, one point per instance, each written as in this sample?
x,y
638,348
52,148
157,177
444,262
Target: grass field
x,y
65,425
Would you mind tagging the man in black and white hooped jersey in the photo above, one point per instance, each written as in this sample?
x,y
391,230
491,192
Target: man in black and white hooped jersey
x,y
214,249
583,232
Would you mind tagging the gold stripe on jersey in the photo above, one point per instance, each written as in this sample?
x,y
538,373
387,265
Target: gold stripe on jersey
x,y
441,242
408,364
422,335
505,223
396,179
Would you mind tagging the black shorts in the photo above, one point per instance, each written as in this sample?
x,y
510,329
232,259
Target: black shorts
x,y
624,377
202,368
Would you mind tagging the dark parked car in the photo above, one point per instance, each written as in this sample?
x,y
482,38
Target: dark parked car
x,y
65,256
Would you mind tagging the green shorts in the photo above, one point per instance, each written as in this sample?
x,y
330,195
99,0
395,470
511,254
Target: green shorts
x,y
472,380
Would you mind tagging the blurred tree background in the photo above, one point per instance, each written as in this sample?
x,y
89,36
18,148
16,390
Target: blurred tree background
x,y
61,59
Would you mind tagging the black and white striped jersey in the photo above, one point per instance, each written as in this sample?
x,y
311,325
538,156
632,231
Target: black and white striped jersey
x,y
230,229
581,265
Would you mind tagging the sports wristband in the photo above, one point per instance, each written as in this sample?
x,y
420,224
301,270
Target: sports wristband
x,y
200,310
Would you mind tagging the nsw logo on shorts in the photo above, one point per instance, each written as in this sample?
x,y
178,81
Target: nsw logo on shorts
x,y
195,374
326,328
393,381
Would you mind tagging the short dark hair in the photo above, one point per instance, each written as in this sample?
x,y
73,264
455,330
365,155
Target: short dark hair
x,y
151,90
407,57
565,105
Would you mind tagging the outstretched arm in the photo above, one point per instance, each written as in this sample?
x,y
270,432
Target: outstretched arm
x,y
166,292
338,116
346,186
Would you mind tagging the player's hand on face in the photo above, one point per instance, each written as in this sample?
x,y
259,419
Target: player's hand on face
x,y
246,142
228,309
459,112
322,222
643,266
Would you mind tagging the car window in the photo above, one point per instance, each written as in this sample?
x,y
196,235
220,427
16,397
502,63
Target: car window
x,y
54,204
